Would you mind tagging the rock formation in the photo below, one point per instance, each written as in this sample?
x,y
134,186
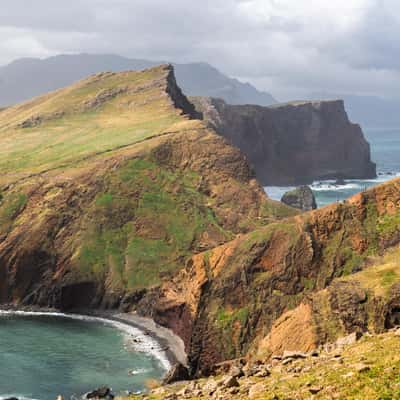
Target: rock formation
x,y
116,188
302,198
341,372
113,195
293,143
233,296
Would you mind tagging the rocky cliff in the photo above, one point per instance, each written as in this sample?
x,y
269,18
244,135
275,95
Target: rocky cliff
x,y
109,186
293,143
236,299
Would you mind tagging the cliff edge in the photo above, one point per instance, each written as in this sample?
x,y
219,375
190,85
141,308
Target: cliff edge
x,y
293,143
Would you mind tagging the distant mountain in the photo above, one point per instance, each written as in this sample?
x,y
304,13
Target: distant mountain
x,y
371,112
29,77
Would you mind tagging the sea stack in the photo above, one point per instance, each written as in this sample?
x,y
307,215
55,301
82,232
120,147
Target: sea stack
x,y
302,198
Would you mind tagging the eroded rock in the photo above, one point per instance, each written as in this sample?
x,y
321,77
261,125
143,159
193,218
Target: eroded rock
x,y
177,373
302,198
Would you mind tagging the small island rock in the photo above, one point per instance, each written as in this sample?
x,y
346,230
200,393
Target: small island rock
x,y
302,198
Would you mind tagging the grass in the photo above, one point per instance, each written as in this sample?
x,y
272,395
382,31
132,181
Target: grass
x,y
125,119
10,206
389,224
144,224
337,378
381,276
340,380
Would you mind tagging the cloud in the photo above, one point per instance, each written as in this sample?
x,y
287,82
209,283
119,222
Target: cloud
x,y
288,47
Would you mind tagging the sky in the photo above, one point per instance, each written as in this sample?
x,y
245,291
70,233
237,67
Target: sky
x,y
290,48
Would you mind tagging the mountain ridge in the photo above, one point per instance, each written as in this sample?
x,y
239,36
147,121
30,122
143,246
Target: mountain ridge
x,y
30,77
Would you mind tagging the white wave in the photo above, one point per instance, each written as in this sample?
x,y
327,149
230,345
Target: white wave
x,y
8,396
138,371
143,343
323,187
351,184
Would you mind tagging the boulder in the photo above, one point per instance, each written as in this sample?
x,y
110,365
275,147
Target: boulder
x,y
361,367
315,389
210,387
177,373
257,390
100,393
348,340
293,354
236,372
302,198
229,382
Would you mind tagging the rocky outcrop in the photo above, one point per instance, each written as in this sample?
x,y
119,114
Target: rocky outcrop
x,y
103,227
233,296
302,198
294,143
340,372
177,373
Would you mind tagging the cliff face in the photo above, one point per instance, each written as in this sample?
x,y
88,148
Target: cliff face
x,y
109,186
237,298
293,143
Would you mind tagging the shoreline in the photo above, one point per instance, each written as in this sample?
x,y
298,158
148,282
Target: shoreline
x,y
169,345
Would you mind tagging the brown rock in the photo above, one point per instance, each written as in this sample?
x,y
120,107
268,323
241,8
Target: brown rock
x,y
315,389
361,367
177,373
230,381
348,340
257,390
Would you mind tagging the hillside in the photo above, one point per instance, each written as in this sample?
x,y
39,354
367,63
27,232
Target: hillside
x,y
29,77
232,296
293,143
288,304
365,370
109,186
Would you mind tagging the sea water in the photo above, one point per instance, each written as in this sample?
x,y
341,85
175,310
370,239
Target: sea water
x,y
42,356
385,152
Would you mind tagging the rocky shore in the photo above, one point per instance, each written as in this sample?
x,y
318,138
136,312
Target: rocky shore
x,y
170,343
352,367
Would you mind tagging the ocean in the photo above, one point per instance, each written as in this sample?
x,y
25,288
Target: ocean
x,y
385,152
42,356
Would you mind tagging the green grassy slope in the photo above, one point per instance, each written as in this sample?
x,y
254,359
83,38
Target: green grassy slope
x,y
95,115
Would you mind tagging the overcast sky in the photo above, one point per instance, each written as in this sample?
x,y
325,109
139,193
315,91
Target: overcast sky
x,y
287,47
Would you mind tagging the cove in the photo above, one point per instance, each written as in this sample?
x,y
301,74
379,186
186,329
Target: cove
x,y
46,354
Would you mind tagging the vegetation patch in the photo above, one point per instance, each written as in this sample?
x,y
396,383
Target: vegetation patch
x,y
145,224
388,225
11,206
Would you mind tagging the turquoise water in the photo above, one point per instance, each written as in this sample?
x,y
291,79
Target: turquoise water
x,y
385,152
44,356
